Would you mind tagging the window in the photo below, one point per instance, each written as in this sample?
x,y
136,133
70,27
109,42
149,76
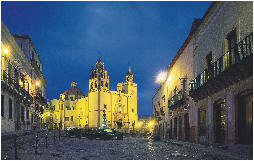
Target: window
x,y
71,118
68,108
2,105
22,114
119,109
105,106
132,109
62,106
10,108
73,107
71,98
54,107
231,47
91,86
66,119
27,114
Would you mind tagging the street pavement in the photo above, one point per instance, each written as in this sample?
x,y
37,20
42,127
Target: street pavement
x,y
130,148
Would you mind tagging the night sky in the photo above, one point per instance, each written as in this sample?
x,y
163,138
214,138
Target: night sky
x,y
71,36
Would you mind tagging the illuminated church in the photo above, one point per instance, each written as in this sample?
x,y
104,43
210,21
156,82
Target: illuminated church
x,y
74,109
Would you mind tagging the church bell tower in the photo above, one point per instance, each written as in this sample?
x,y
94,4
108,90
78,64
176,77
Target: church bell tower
x,y
129,76
99,79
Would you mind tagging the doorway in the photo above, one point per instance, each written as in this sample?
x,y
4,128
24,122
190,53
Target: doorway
x,y
175,127
170,129
180,128
245,122
186,127
220,121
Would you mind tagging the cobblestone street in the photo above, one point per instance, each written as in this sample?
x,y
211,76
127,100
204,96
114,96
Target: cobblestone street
x,y
129,148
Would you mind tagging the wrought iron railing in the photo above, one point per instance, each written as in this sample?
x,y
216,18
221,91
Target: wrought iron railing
x,y
39,97
177,99
240,51
36,67
14,83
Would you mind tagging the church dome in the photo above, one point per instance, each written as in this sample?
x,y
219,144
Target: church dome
x,y
73,90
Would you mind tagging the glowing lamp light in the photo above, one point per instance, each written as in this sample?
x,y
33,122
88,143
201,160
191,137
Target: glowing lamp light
x,y
48,114
151,123
5,50
161,77
37,83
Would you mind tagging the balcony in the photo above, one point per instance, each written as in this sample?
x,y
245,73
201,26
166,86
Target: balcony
x,y
225,71
38,96
177,100
12,85
36,67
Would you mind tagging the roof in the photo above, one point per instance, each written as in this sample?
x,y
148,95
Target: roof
x,y
195,25
73,90
24,36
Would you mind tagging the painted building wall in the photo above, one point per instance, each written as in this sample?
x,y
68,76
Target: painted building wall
x,y
15,65
180,67
223,18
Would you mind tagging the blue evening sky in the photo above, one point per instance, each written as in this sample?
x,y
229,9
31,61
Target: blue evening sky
x,y
71,36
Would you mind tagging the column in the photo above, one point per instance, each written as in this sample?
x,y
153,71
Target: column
x,y
229,115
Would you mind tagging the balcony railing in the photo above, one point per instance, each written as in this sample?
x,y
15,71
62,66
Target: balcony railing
x,y
14,85
38,96
239,53
177,100
36,67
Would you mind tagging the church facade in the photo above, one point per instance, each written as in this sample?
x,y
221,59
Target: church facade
x,y
117,109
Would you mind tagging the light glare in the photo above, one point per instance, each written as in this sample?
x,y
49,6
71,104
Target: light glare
x,y
5,50
161,77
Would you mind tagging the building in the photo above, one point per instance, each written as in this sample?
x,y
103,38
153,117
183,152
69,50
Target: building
x,y
23,92
223,67
74,109
172,107
216,59
71,110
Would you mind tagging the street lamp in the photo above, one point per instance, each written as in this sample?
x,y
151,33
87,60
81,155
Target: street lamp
x,y
37,83
5,51
161,77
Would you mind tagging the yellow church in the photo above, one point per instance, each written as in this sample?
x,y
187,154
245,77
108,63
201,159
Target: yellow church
x,y
75,109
